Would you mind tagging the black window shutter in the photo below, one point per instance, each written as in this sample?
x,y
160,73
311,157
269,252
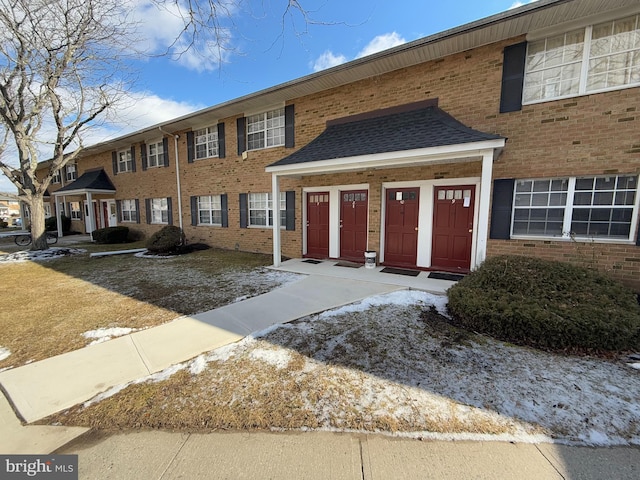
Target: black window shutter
x,y
638,239
291,210
114,162
289,129
190,147
244,211
137,211
501,207
224,205
513,77
119,210
194,211
165,148
222,150
147,207
169,211
133,159
241,124
143,156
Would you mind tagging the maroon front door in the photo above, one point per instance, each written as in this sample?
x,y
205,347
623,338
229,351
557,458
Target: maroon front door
x,y
401,226
318,224
453,227
353,224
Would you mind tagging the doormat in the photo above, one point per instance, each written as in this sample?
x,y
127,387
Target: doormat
x,y
315,262
401,271
348,264
452,277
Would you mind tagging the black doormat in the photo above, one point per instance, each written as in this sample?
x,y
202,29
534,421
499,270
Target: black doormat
x,y
452,277
401,271
348,264
309,260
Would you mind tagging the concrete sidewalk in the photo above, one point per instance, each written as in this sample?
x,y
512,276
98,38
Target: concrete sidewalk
x,y
318,455
49,386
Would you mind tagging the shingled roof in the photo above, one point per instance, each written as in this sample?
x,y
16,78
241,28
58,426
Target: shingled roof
x,y
389,130
96,179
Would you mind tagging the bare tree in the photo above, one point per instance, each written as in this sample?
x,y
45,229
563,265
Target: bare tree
x,y
57,64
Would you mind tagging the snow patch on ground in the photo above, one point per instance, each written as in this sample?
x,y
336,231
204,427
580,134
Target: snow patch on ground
x,y
4,353
634,365
40,255
103,334
278,357
402,298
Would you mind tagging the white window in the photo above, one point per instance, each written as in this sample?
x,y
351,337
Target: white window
x,y
206,142
210,210
159,210
265,129
125,162
583,207
261,209
155,154
72,172
596,58
75,212
47,210
128,210
56,177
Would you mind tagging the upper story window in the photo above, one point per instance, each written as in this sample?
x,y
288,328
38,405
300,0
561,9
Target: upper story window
x,y
584,207
206,142
266,129
155,154
56,177
125,161
592,59
72,172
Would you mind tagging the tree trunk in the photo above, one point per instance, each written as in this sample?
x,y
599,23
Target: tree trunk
x,y
37,223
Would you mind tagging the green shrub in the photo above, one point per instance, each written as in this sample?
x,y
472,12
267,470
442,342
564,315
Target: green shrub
x,y
167,240
50,224
549,305
3,224
111,235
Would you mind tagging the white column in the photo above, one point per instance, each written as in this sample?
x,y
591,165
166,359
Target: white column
x,y
59,208
275,205
483,214
92,217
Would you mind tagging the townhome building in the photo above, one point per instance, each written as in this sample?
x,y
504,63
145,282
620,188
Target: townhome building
x,y
515,134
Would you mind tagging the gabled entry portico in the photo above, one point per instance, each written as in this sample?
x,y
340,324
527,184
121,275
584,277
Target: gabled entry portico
x,y
379,143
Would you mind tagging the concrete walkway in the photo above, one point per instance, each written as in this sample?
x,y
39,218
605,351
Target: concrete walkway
x,y
49,386
318,455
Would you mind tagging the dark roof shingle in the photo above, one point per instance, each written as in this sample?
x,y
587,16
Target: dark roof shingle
x,y
90,180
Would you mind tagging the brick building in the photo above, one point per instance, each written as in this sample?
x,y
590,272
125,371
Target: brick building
x,y
518,133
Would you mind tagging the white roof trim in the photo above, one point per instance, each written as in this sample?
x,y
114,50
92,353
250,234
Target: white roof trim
x,y
81,191
464,152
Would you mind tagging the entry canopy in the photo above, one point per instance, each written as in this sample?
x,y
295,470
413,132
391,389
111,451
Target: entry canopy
x,y
91,181
412,134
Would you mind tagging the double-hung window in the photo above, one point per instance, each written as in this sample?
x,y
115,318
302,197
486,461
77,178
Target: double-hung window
x,y
155,154
56,177
128,210
74,211
597,58
72,172
266,129
210,210
206,142
582,207
124,161
261,209
159,210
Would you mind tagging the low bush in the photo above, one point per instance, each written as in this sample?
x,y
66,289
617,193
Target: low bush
x,y
169,239
3,224
549,305
51,224
111,235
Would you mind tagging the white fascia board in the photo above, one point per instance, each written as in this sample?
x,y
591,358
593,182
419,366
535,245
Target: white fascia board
x,y
82,191
404,158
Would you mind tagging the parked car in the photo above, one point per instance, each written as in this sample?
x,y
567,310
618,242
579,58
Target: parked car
x,y
17,222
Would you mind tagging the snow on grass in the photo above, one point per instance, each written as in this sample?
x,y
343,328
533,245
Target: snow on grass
x,y
40,255
277,357
103,334
402,298
634,365
4,353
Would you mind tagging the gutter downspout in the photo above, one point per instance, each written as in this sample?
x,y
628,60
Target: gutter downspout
x,y
175,141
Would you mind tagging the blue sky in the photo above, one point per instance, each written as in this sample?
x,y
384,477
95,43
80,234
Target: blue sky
x,y
264,50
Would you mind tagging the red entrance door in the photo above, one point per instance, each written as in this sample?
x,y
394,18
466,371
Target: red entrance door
x,y
318,224
401,226
353,224
453,227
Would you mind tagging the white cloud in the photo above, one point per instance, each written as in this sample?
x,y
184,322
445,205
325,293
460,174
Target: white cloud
x,y
381,42
519,4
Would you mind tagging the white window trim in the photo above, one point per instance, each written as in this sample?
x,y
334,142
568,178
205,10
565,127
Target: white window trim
x,y
566,226
210,211
56,178
128,162
283,202
158,144
164,207
71,172
582,89
266,129
77,212
211,129
133,212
